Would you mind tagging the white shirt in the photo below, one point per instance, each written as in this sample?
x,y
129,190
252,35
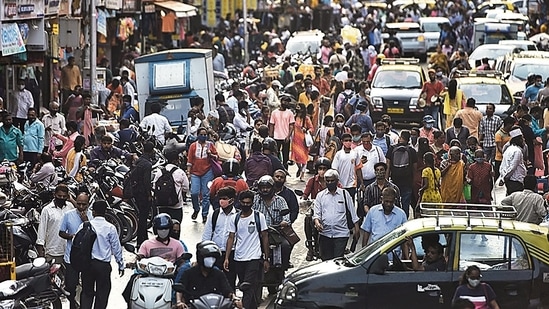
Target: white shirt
x,y
180,180
233,103
345,164
341,76
240,123
160,123
247,239
512,165
45,176
329,209
272,99
57,125
374,155
220,233
128,90
22,102
48,229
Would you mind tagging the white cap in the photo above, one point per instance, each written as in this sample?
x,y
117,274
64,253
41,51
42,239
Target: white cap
x,y
276,83
214,114
515,133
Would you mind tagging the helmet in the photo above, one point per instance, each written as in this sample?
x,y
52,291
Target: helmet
x,y
253,64
229,133
162,221
207,248
266,181
323,161
269,143
231,167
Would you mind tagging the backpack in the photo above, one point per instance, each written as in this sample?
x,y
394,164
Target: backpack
x,y
348,108
164,189
129,183
231,182
82,244
401,157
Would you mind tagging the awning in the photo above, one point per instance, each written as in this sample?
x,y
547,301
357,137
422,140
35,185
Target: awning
x,y
180,9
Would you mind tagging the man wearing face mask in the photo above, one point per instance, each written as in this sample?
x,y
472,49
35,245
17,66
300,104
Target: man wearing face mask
x,y
330,220
431,89
381,139
288,195
382,218
372,193
203,278
428,129
281,128
531,93
33,138
22,101
48,242
349,165
54,123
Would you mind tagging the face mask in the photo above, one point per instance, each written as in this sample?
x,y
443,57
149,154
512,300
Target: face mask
x,y
474,283
202,138
339,124
163,234
59,201
332,186
266,193
347,144
356,139
245,208
224,203
479,160
380,175
428,126
209,262
279,184
21,87
414,139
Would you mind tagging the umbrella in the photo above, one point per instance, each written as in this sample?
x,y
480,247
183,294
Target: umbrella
x,y
539,37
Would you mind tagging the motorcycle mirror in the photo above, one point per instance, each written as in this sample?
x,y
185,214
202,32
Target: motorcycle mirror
x,y
39,262
129,247
186,256
284,212
298,192
31,254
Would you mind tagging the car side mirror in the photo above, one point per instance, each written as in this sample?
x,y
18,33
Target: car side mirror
x,y
380,265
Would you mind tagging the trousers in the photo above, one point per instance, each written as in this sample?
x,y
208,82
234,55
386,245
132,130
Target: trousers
x,y
96,285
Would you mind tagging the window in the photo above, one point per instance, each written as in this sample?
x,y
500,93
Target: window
x,y
492,252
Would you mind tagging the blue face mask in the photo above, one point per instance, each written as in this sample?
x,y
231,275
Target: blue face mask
x,y
202,138
479,160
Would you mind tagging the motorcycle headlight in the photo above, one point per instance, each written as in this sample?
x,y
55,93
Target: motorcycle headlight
x,y
288,292
378,102
7,304
413,102
156,270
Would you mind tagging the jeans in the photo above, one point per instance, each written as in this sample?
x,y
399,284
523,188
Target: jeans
x,y
249,271
199,185
405,198
433,111
96,284
489,153
283,146
331,247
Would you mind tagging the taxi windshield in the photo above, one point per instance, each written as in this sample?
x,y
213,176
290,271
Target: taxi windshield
x,y
360,256
397,79
487,93
521,71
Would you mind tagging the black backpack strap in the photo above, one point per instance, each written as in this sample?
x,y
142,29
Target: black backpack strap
x,y
258,227
215,215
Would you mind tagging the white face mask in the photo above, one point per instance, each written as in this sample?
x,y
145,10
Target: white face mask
x,y
21,87
473,282
339,124
163,234
209,262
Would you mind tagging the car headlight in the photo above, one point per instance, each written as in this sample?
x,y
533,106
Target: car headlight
x,y
288,292
420,38
413,102
378,102
156,270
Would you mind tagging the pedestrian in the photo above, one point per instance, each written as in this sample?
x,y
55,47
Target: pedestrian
x,y
54,123
11,141
217,228
48,242
72,103
96,279
382,218
402,162
22,101
432,89
70,223
481,178
156,124
67,141
129,111
471,116
439,147
281,128
142,190
269,148
33,137
370,155
70,78
381,139
330,217
428,129
513,170
348,163
453,177
489,125
86,116
501,138
199,166
481,294
454,99
457,131
107,151
43,172
300,151
181,185
279,177
251,247
430,188
257,164
529,204
372,192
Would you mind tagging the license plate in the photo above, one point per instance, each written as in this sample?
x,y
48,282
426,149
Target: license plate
x,y
393,110
57,280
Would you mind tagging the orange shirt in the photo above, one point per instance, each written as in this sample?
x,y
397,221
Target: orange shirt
x,y
168,23
199,159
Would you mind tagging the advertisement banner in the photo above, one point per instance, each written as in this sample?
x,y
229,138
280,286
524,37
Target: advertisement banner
x,y
12,42
102,22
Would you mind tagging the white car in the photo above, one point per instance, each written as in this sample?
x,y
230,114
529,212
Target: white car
x,y
522,44
431,30
490,51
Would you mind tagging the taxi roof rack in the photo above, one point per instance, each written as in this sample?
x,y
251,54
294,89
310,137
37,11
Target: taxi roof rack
x,y
437,210
467,73
399,61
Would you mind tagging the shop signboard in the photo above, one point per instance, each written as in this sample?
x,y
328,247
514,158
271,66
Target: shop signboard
x,y
113,4
12,42
24,9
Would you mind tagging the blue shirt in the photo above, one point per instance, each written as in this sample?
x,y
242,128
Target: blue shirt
x,y
107,243
531,93
33,138
363,120
9,142
70,224
381,143
378,224
130,113
535,127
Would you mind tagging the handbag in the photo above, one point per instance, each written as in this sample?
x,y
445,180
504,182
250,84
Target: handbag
x,y
314,150
308,139
216,167
290,235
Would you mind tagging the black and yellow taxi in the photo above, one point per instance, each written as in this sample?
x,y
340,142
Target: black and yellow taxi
x,y
486,87
395,90
513,257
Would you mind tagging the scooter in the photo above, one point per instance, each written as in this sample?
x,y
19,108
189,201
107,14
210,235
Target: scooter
x,y
153,286
211,300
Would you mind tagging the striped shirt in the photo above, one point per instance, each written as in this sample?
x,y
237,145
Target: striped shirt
x,y
372,193
488,128
272,212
